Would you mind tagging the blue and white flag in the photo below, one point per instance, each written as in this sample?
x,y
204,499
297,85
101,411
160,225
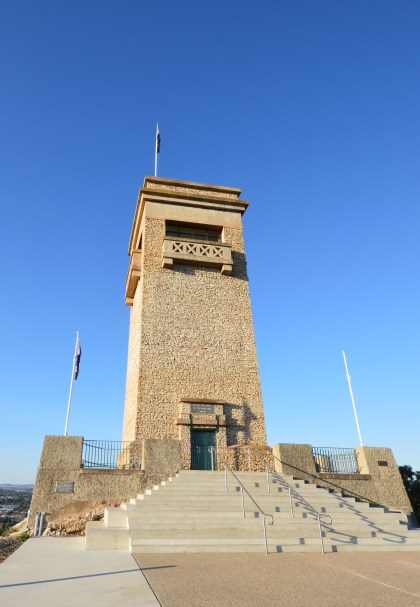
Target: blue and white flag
x,y
157,139
77,358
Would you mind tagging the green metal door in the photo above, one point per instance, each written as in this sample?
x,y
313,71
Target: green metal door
x,y
201,456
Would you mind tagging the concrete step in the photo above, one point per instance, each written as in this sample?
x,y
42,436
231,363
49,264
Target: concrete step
x,y
174,493
98,537
234,534
205,513
257,545
248,482
220,489
234,506
135,547
119,517
284,527
176,516
273,532
200,539
198,475
186,505
208,526
267,500
375,548
375,541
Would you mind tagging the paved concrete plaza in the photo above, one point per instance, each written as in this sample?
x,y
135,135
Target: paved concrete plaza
x,y
384,579
58,571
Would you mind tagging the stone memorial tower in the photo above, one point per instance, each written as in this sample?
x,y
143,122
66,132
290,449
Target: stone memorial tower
x,y
193,396
192,371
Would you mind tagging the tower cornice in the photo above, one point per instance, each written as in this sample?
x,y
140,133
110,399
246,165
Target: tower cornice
x,y
162,190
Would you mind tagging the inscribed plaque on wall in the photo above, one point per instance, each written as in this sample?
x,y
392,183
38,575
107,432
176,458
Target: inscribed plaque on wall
x,y
64,487
204,408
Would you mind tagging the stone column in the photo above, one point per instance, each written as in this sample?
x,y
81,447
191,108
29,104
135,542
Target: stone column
x,y
61,460
380,464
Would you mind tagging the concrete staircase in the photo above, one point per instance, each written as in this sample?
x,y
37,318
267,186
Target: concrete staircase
x,y
193,512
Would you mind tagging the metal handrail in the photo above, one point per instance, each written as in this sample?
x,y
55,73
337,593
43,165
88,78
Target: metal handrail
x,y
319,515
264,514
212,452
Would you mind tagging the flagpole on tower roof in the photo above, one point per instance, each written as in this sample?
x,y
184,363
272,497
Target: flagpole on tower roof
x,y
157,146
74,374
352,397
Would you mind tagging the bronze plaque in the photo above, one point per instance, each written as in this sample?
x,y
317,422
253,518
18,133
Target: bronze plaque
x,y
64,487
204,408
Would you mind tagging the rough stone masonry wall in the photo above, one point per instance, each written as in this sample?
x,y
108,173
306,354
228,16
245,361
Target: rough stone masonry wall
x,y
133,364
61,460
379,480
196,340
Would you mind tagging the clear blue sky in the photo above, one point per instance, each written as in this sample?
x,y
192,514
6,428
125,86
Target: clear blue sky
x,y
312,108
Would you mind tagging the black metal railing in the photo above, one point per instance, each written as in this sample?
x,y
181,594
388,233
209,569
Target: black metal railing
x,y
332,459
111,455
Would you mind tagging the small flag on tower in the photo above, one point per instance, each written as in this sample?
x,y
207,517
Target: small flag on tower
x,y
157,147
77,358
157,139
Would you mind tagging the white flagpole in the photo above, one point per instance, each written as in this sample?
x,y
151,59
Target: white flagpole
x,y
71,384
156,147
352,397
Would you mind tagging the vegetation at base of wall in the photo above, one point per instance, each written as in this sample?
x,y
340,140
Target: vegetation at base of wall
x,y
10,543
411,480
6,531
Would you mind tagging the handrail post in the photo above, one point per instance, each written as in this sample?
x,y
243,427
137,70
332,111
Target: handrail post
x,y
291,503
243,502
212,450
320,534
265,535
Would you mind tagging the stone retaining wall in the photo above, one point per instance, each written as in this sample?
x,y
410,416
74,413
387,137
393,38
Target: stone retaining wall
x,y
379,480
61,467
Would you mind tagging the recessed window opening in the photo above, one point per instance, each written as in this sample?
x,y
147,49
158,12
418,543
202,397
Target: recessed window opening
x,y
193,232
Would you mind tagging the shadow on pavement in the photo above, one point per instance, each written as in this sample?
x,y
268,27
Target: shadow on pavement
x,y
76,577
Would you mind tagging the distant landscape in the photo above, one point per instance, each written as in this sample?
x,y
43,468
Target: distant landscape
x,y
14,504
